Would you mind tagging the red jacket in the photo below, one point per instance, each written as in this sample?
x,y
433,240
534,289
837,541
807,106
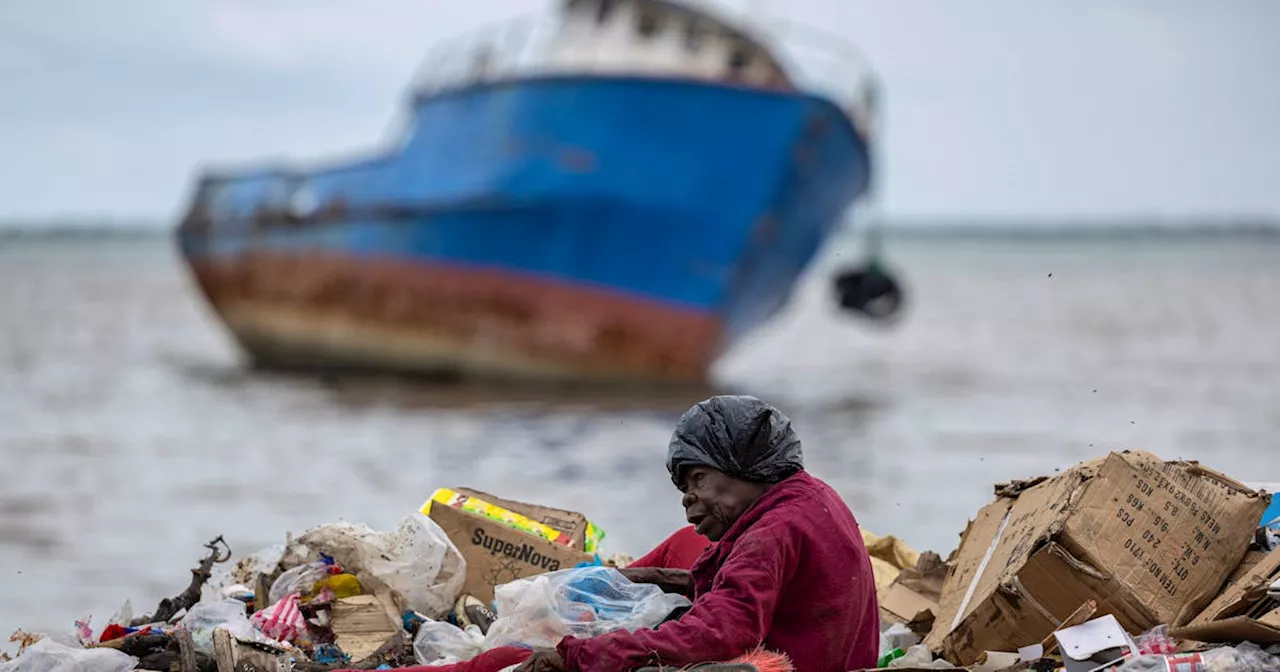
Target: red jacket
x,y
792,573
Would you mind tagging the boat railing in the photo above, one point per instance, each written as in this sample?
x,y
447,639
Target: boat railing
x,y
815,60
499,50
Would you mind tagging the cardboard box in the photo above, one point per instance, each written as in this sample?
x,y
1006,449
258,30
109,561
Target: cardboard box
x,y
1151,541
571,523
497,553
1243,612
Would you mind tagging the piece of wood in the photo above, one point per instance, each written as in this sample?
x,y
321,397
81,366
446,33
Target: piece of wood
x,y
363,625
224,650
187,650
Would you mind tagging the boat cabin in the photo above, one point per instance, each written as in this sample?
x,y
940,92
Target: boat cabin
x,y
659,37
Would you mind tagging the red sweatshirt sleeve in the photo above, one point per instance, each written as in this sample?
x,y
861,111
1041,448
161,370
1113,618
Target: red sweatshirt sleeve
x,y
655,558
730,619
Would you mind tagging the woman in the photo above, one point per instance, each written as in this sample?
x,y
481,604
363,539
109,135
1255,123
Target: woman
x,y
788,569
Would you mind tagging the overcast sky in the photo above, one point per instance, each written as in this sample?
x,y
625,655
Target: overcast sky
x,y
1000,108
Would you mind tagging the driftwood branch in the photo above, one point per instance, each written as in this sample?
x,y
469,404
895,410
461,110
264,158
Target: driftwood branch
x,y
219,552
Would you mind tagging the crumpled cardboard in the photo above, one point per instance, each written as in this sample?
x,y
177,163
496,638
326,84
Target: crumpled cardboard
x,y
1151,541
914,595
1243,612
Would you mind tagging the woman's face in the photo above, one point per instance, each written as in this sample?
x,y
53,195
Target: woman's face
x,y
713,500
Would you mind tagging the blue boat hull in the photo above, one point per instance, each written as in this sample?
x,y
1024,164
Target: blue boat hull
x,y
672,204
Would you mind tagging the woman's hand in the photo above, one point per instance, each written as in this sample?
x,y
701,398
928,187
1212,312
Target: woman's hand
x,y
543,660
678,581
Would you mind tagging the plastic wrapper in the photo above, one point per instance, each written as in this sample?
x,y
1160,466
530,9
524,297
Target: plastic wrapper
x,y
540,611
83,631
740,435
1156,641
282,621
1245,657
416,559
124,616
47,655
440,643
205,617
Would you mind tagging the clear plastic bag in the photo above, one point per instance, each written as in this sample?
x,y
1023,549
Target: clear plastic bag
x,y
205,617
1244,657
1156,641
301,580
582,602
441,643
416,560
47,655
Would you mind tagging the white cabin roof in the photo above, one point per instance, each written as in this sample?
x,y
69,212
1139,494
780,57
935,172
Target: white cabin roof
x,y
660,37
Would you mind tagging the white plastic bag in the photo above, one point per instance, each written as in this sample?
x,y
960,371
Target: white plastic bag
x,y
203,618
583,602
441,643
417,560
898,636
47,655
301,579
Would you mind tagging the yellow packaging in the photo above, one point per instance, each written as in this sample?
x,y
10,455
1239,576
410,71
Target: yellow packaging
x,y
456,500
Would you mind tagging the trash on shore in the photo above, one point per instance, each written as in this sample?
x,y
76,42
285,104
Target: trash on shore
x,y
1123,564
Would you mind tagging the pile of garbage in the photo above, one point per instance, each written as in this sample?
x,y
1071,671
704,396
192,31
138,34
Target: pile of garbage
x,y
1127,563
344,596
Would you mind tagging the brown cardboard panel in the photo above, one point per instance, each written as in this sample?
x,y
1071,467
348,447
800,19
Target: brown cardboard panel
x,y
1251,560
1237,597
977,537
901,604
1233,616
498,554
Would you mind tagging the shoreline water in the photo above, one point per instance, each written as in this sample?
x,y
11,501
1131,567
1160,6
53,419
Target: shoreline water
x,y
136,435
